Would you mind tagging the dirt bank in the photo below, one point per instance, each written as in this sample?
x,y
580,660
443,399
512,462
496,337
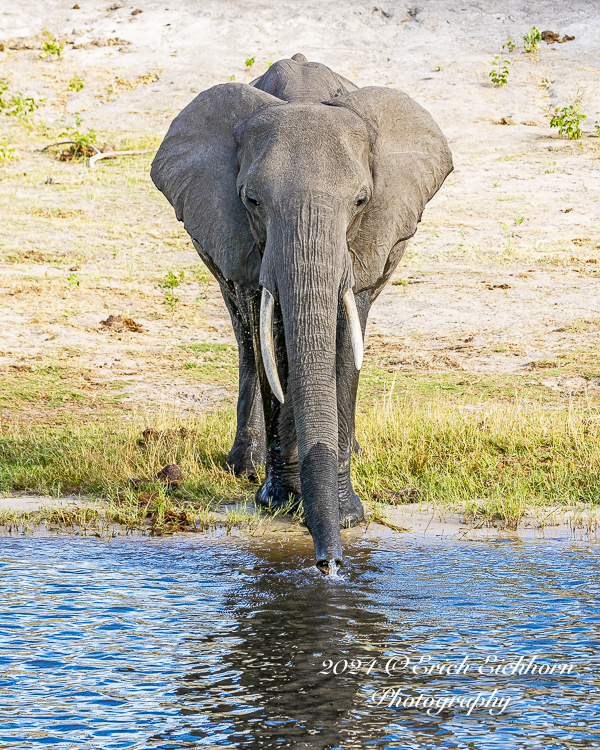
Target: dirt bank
x,y
501,277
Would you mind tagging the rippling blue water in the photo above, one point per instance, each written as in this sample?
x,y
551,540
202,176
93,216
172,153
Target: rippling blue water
x,y
193,643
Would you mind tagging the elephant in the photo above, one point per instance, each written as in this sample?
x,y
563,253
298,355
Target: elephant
x,y
299,192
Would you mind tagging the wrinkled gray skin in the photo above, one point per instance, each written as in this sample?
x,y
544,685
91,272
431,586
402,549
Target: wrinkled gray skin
x,y
304,184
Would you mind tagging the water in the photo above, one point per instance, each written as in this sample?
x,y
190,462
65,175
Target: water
x,y
198,643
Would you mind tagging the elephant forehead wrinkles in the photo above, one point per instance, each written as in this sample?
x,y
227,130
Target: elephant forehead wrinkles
x,y
312,126
307,145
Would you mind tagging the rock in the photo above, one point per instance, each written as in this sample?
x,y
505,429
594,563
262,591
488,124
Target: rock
x,y
170,475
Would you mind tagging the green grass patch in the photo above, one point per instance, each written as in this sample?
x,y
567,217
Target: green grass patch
x,y
490,459
52,387
102,458
495,459
43,386
212,363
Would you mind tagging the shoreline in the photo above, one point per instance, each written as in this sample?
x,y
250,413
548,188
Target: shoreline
x,y
27,514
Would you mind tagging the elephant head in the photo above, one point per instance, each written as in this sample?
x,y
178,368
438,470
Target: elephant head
x,y
310,201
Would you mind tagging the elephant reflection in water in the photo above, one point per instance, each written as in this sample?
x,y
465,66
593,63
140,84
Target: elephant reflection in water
x,y
269,687
258,682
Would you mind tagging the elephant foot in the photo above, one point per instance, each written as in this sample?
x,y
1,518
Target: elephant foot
x,y
244,458
351,509
276,496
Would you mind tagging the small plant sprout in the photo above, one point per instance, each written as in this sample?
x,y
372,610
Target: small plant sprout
x,y
546,83
519,220
532,40
597,126
76,83
202,276
72,279
170,282
567,119
509,45
250,61
232,78
269,64
499,72
83,141
437,69
50,46
16,105
7,153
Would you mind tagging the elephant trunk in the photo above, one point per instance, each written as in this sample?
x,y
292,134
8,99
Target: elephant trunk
x,y
307,266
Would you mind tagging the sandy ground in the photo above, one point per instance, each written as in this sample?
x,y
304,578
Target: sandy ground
x,y
502,275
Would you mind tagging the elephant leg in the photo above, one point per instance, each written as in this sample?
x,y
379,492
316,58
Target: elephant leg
x,y
248,449
351,509
282,482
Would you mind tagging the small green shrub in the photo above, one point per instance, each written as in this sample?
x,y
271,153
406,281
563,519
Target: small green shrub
x,y
250,61
15,104
509,45
567,120
72,279
7,153
532,40
202,276
83,141
499,74
167,285
76,83
50,46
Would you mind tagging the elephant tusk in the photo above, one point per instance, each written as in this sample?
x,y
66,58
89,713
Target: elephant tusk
x,y
355,327
267,345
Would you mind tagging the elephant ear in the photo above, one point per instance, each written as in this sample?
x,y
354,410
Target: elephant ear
x,y
196,169
410,161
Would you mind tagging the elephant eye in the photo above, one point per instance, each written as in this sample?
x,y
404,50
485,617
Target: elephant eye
x,y
250,198
360,201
